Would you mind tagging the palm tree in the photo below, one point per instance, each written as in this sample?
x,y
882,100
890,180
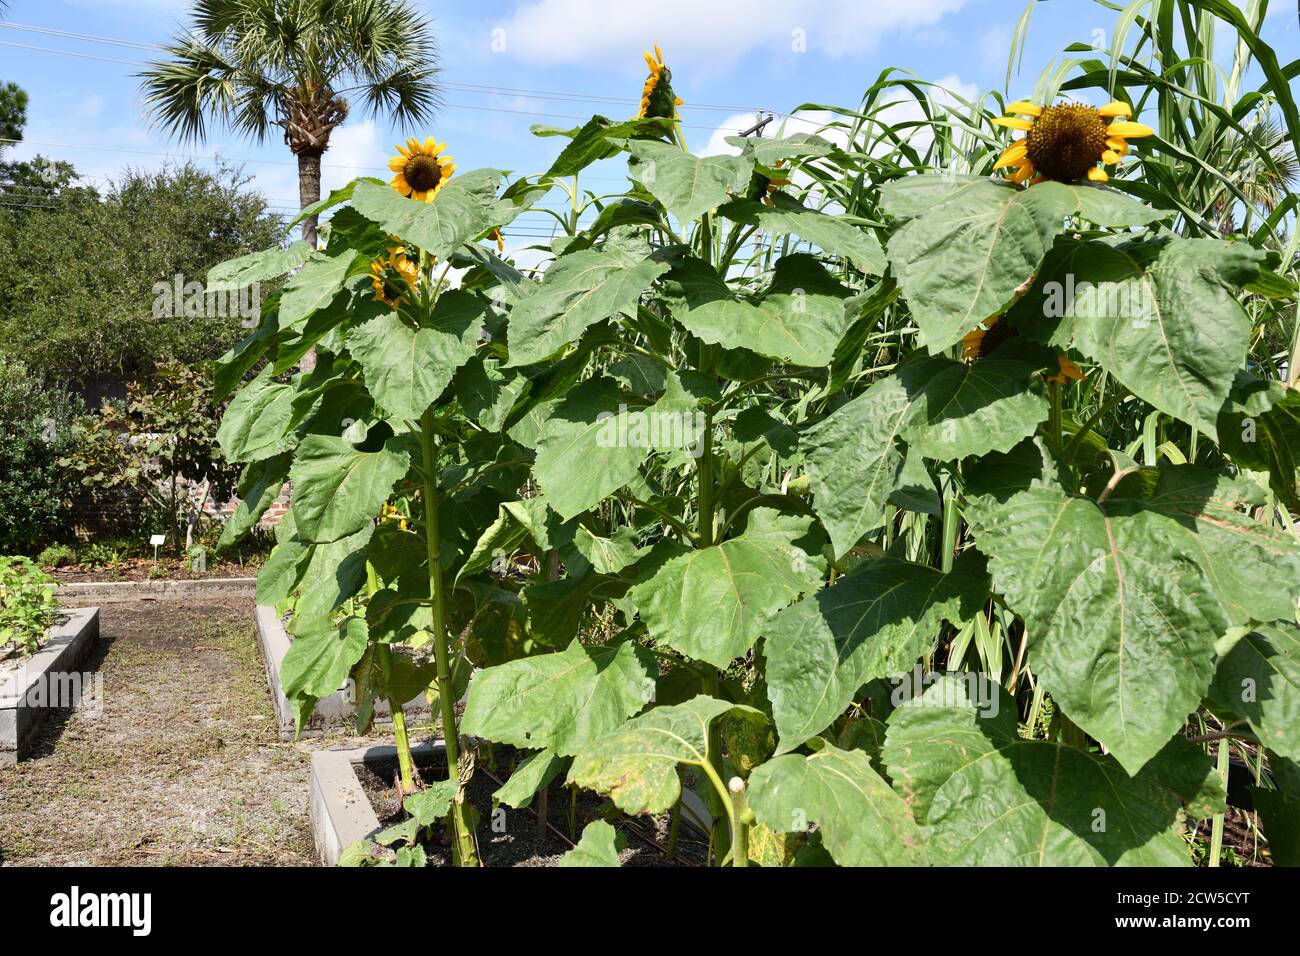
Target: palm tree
x,y
295,65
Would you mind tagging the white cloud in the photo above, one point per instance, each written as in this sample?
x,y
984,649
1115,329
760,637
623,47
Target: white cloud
x,y
719,31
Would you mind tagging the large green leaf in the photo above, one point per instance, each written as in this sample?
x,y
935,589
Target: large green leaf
x,y
1122,620
1259,428
538,770
1254,568
987,797
961,409
711,604
578,291
874,622
592,142
854,462
590,444
257,422
862,822
1259,678
687,185
1161,315
314,286
465,208
407,368
636,765
560,701
319,660
1279,813
969,243
829,233
799,318
338,488
259,486
258,266
599,846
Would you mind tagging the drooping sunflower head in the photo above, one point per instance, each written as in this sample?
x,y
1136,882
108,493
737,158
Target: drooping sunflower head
x,y
1068,141
657,96
981,341
393,277
761,186
421,169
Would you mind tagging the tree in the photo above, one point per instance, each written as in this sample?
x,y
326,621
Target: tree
x,y
255,65
88,287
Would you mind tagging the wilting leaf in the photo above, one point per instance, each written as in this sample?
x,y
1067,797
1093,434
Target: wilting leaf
x,y
599,846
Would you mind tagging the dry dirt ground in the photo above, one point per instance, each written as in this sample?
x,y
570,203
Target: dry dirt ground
x,y
181,767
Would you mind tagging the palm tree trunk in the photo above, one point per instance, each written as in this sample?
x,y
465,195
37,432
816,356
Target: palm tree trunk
x,y
308,193
309,190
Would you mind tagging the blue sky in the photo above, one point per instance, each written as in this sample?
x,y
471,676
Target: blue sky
x,y
728,57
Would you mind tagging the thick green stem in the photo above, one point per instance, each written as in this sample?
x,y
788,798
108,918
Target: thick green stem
x,y
1216,825
464,851
1054,419
741,817
404,762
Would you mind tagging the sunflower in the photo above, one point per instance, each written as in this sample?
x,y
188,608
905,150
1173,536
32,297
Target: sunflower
x,y
762,187
421,169
657,97
390,513
982,341
1066,142
394,276
496,236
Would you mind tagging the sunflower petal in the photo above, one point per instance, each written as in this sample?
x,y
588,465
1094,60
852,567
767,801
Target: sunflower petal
x,y
1013,154
1025,107
1014,122
1111,157
1117,144
1129,130
1098,175
1116,109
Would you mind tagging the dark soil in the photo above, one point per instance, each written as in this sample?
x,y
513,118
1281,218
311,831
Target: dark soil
x,y
511,837
178,762
144,569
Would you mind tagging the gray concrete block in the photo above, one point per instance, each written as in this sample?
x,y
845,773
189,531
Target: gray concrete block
x,y
45,682
337,711
340,810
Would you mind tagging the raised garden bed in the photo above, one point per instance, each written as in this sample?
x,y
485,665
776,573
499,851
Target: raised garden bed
x,y
115,592
32,688
335,712
354,797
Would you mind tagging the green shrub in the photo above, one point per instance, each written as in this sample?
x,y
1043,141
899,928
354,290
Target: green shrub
x,y
100,554
27,604
56,556
35,432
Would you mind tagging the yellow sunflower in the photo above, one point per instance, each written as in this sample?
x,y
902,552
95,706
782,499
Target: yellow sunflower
x,y
981,341
657,97
1066,142
390,513
393,277
500,240
421,169
762,187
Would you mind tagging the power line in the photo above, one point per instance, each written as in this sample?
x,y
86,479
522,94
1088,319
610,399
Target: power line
x,y
465,87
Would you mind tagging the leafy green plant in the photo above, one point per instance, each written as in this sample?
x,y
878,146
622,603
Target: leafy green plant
x,y
56,556
27,604
160,448
35,432
735,491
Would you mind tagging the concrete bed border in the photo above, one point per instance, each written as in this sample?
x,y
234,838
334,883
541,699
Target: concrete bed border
x,y
26,696
335,712
340,810
118,592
